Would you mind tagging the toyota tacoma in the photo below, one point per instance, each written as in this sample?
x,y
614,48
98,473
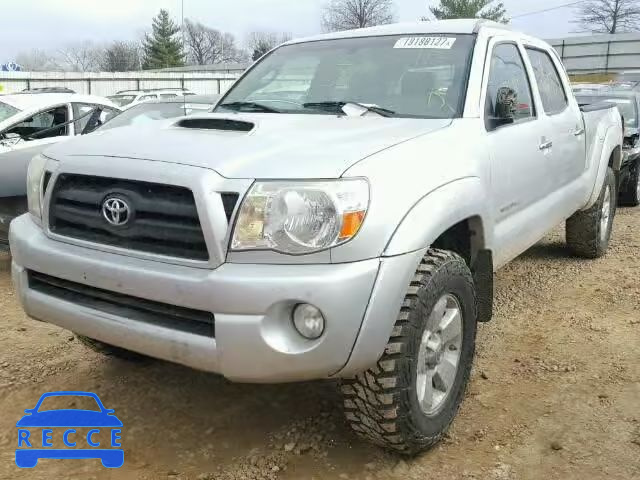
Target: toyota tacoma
x,y
340,214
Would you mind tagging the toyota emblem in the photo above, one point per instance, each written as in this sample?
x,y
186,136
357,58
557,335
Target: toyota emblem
x,y
116,211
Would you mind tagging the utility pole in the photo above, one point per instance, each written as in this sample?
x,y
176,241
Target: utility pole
x,y
182,27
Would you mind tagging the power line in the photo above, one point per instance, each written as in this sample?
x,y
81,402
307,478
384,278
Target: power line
x,y
558,7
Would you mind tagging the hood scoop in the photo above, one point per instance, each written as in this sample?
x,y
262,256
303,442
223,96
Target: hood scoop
x,y
222,124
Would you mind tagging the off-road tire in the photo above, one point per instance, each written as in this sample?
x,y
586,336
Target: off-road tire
x,y
584,228
111,350
630,196
381,404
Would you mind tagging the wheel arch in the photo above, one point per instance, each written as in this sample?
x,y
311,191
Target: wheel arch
x,y
610,157
454,215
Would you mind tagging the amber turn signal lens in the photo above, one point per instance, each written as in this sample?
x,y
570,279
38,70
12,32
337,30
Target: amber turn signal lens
x,y
351,223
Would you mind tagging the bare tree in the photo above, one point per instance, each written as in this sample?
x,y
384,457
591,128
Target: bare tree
x,y
199,42
349,14
207,45
80,56
608,16
260,43
121,57
37,61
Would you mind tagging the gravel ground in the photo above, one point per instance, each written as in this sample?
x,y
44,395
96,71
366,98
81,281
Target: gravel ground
x,y
555,392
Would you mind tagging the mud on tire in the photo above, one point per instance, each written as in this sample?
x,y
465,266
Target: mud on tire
x,y
382,404
587,233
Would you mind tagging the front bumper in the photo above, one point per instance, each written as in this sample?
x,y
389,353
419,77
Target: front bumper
x,y
254,336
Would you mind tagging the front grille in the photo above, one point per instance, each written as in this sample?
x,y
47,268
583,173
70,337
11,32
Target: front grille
x,y
136,309
164,219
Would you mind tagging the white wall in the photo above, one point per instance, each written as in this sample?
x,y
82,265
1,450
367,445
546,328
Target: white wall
x,y
103,84
599,53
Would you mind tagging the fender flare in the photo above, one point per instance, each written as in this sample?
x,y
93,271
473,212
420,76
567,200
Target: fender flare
x,y
438,211
610,146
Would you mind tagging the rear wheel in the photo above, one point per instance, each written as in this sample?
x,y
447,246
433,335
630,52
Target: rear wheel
x,y
588,232
111,350
630,196
407,401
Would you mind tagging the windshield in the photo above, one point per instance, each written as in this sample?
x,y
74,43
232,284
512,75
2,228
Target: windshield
x,y
7,111
122,100
421,76
626,106
150,112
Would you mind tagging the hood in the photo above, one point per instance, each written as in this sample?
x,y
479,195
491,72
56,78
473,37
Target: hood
x,y
276,145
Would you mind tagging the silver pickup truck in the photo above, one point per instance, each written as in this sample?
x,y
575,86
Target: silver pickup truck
x,y
339,215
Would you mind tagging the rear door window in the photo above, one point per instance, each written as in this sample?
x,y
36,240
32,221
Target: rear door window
x,y
89,116
554,98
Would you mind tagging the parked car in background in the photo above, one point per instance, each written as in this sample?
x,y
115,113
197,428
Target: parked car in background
x,y
586,88
29,123
351,232
129,98
628,102
154,110
629,79
48,90
30,119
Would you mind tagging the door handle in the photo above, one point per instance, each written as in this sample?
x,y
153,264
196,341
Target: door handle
x,y
578,132
546,145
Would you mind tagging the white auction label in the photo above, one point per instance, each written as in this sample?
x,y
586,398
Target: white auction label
x,y
425,42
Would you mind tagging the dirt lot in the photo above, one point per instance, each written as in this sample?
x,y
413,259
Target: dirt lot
x,y
555,392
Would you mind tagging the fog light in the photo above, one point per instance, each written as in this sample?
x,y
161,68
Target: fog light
x,y
308,320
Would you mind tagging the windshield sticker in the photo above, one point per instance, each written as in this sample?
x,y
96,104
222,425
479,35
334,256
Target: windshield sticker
x,y
425,42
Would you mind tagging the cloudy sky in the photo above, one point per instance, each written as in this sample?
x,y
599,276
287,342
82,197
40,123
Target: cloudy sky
x,y
47,24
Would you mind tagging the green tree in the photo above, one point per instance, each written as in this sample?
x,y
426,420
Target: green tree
x,y
163,48
470,9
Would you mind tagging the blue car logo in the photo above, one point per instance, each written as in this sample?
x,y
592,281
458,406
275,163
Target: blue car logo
x,y
31,448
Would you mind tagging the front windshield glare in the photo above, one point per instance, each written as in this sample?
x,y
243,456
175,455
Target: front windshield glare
x,y
7,111
421,76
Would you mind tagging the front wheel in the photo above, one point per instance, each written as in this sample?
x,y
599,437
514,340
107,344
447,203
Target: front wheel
x,y
589,231
407,401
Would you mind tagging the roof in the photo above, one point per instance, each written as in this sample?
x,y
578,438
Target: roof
x,y
186,99
150,90
608,92
215,67
26,101
461,26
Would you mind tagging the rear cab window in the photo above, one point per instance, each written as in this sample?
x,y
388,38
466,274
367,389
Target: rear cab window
x,y
552,92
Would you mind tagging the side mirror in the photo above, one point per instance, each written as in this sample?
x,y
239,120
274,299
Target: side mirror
x,y
505,109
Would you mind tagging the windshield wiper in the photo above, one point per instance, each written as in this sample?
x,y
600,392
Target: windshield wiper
x,y
337,107
238,106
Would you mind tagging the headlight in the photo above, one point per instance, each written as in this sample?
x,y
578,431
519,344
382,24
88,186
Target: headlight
x,y
300,217
34,185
